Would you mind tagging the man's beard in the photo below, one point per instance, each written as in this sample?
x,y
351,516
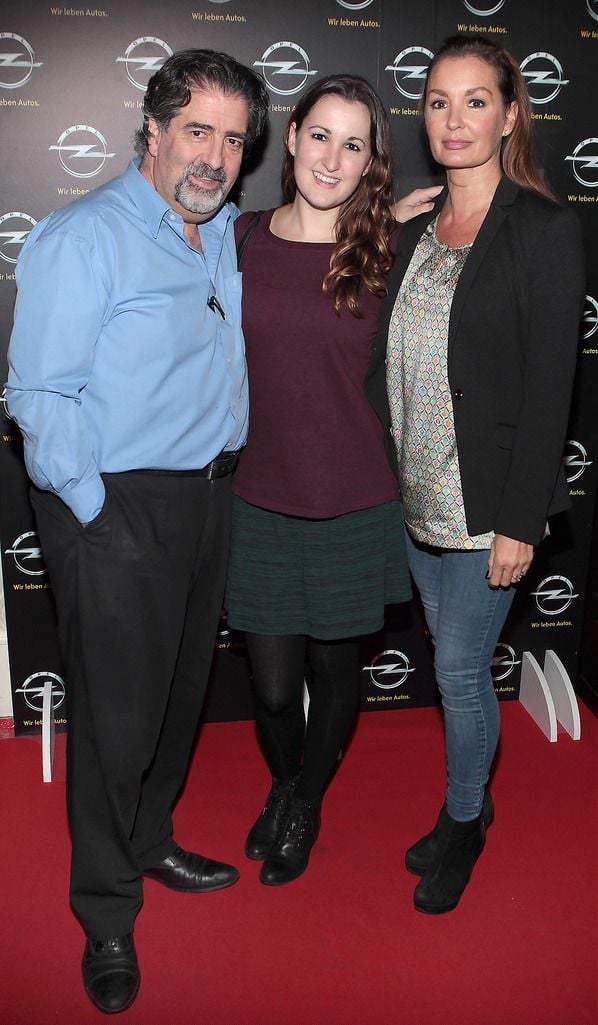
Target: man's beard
x,y
193,197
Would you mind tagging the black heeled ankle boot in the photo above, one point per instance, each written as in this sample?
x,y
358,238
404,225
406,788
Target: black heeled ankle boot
x,y
289,855
443,884
421,855
265,829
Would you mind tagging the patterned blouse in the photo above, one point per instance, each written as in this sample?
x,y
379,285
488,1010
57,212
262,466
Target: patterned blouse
x,y
420,398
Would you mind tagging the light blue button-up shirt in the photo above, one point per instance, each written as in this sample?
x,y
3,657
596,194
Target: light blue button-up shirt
x,y
116,362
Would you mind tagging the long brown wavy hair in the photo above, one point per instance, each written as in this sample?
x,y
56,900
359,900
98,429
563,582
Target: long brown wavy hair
x,y
362,255
517,157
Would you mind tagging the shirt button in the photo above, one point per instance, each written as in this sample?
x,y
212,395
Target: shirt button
x,y
228,360
171,217
458,394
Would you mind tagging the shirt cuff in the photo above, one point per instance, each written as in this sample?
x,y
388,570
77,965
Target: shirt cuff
x,y
85,500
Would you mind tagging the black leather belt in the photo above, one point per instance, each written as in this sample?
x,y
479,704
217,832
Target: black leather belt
x,y
221,466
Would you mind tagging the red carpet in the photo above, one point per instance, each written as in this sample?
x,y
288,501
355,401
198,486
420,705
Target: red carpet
x,y
342,945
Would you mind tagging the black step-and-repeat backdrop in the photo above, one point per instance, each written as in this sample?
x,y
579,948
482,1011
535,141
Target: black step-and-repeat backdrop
x,y
72,80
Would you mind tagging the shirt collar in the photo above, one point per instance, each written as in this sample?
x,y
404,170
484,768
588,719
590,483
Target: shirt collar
x,y
154,208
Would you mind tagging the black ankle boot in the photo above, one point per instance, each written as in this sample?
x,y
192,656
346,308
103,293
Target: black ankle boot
x,y
443,884
289,855
266,827
421,855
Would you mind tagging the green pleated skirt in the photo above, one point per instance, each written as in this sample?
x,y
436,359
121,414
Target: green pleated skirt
x,y
326,578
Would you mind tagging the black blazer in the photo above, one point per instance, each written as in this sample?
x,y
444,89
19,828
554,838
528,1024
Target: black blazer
x,y
512,349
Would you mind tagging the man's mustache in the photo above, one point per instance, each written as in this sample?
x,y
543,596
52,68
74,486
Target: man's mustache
x,y
205,171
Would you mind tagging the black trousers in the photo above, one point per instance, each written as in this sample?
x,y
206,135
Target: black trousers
x,y
138,595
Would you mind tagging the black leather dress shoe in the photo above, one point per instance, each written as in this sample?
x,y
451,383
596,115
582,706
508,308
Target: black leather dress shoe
x,y
192,873
111,973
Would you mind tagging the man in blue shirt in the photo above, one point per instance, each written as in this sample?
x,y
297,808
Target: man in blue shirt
x,y
127,377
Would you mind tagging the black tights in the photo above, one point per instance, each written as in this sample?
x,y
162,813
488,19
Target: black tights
x,y
333,673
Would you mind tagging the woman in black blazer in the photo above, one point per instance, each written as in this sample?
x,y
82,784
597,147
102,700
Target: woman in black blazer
x,y
479,331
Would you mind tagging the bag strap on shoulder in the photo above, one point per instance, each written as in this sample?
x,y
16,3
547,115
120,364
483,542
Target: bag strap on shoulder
x,y
242,243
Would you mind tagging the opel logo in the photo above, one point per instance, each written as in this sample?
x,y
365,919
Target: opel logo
x,y
389,669
33,691
504,662
544,77
285,67
409,70
584,162
487,10
27,555
589,317
79,156
575,460
14,229
554,595
142,61
4,405
16,62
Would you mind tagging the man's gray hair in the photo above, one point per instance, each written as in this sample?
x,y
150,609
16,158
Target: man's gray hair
x,y
170,89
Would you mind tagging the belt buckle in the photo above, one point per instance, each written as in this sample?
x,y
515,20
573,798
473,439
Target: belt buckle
x,y
222,465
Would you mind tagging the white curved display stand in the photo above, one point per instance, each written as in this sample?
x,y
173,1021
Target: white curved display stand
x,y
47,733
548,695
563,695
535,696
5,693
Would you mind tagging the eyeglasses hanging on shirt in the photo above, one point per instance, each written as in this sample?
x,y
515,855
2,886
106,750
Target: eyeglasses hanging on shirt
x,y
215,306
213,302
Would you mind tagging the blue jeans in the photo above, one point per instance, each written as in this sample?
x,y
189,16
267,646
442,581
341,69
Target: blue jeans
x,y
465,617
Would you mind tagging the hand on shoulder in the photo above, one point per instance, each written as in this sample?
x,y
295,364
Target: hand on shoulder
x,y
419,201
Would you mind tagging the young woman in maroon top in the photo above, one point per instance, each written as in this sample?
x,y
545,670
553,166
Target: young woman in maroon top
x,y
317,544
